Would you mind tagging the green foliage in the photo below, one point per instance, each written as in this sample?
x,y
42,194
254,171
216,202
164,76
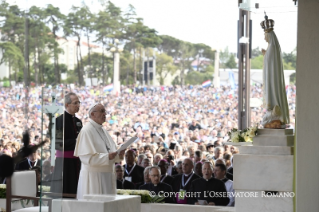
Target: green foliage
x,y
227,59
3,192
290,59
197,78
164,66
255,52
209,69
257,62
158,199
231,63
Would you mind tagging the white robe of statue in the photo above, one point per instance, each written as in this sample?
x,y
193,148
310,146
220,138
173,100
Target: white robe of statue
x,y
274,91
97,174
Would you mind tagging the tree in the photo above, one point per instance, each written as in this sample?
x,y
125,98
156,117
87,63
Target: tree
x,y
12,55
203,53
290,58
56,19
185,56
40,39
164,66
231,63
257,62
138,36
197,78
95,64
255,52
109,26
73,28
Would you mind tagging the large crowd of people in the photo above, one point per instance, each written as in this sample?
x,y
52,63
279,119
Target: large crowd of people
x,y
172,124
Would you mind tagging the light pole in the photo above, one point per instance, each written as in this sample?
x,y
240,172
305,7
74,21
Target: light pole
x,y
116,67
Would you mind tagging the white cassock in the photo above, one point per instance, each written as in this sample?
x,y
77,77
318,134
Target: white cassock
x,y
97,174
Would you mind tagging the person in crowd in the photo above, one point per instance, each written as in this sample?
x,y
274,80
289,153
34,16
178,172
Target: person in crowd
x,y
165,178
198,168
121,183
140,158
220,174
67,166
227,159
205,186
221,161
198,156
210,148
158,187
182,182
30,162
178,168
149,156
133,172
146,162
194,126
157,158
218,153
147,178
97,152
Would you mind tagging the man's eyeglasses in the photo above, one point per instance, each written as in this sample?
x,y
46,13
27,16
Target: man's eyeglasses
x,y
76,103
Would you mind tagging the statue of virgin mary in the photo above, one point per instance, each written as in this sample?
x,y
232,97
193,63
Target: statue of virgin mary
x,y
274,92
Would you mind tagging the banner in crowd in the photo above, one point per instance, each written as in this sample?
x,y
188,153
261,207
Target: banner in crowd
x,y
108,88
206,84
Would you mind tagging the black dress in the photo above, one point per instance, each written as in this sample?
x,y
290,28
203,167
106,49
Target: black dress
x,y
177,185
125,185
206,190
137,174
71,166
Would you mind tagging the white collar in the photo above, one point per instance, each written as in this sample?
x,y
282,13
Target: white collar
x,y
186,175
208,179
94,123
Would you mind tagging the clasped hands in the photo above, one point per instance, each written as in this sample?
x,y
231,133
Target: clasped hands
x,y
112,155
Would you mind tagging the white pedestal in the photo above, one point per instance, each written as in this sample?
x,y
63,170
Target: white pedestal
x,y
267,165
100,203
153,207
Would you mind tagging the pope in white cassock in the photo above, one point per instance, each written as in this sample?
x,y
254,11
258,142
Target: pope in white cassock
x,y
97,152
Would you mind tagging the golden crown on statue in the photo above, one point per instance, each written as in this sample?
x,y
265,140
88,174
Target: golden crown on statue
x,y
267,24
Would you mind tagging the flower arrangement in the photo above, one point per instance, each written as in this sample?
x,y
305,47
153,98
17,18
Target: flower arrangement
x,y
3,189
245,135
145,195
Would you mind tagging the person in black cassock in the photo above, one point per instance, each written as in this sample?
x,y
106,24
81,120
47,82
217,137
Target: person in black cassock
x,y
71,164
133,172
159,188
120,182
165,178
182,182
207,188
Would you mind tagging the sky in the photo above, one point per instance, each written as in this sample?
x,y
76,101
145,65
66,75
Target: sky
x,y
212,22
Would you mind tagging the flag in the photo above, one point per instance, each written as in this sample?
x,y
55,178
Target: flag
x,y
108,88
206,84
232,80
